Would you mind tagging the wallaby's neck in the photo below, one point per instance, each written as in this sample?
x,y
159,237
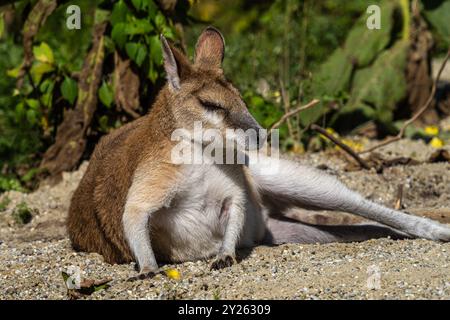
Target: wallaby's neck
x,y
161,119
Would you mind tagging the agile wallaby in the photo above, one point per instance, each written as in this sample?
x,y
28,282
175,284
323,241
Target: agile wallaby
x,y
134,204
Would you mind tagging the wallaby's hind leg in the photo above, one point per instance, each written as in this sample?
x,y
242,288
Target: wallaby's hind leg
x,y
285,230
83,227
288,182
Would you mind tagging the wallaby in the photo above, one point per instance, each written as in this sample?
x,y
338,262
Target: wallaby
x,y
135,204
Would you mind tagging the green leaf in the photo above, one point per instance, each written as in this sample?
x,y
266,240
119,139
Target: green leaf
x,y
437,13
325,82
138,4
136,51
33,103
65,276
46,99
47,85
46,89
20,111
155,49
101,15
30,174
168,32
379,87
160,20
2,25
32,116
152,73
145,5
119,13
138,26
14,73
38,69
121,30
103,123
118,34
69,89
106,94
363,44
43,53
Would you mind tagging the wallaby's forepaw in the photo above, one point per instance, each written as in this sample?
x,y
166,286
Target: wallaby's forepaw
x,y
145,273
222,261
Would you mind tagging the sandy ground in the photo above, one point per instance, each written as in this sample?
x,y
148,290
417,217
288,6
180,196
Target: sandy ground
x,y
32,256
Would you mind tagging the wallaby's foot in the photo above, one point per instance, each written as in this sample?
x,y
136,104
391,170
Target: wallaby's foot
x,y
432,230
441,233
144,273
222,261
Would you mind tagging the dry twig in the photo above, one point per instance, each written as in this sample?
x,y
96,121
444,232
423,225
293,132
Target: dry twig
x,y
293,112
343,146
399,199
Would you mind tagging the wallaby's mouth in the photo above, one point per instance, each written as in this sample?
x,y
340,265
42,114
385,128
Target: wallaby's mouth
x,y
249,135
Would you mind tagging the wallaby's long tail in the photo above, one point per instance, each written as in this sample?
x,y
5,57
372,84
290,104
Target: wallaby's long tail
x,y
282,230
286,181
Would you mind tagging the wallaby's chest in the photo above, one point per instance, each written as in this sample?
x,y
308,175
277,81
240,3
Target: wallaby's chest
x,y
193,225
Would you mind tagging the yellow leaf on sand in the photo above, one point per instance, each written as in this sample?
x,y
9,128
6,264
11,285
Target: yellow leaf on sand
x,y
436,143
355,145
173,274
432,130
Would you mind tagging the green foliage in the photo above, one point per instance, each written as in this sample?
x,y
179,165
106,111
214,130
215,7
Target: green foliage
x,y
106,95
30,113
4,203
379,87
275,51
292,42
437,13
317,49
371,76
69,89
22,214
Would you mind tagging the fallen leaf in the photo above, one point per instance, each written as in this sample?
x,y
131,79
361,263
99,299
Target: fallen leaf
x,y
86,287
173,274
436,143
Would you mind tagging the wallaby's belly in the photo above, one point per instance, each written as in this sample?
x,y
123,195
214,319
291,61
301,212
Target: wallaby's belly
x,y
193,226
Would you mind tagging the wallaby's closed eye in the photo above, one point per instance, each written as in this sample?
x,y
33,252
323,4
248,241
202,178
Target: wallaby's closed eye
x,y
135,204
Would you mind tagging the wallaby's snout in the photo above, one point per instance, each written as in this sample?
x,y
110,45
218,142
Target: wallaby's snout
x,y
202,94
249,134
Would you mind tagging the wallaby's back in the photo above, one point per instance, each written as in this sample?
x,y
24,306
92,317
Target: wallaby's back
x,y
95,213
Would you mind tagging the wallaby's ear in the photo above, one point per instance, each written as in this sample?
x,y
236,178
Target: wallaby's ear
x,y
176,65
210,49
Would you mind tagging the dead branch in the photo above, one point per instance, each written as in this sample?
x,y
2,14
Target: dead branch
x,y
286,102
342,145
399,198
293,112
126,86
416,115
70,142
36,18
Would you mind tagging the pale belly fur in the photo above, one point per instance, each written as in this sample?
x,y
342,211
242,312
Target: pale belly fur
x,y
193,225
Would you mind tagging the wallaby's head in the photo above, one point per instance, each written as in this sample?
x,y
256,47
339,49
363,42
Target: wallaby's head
x,y
200,94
